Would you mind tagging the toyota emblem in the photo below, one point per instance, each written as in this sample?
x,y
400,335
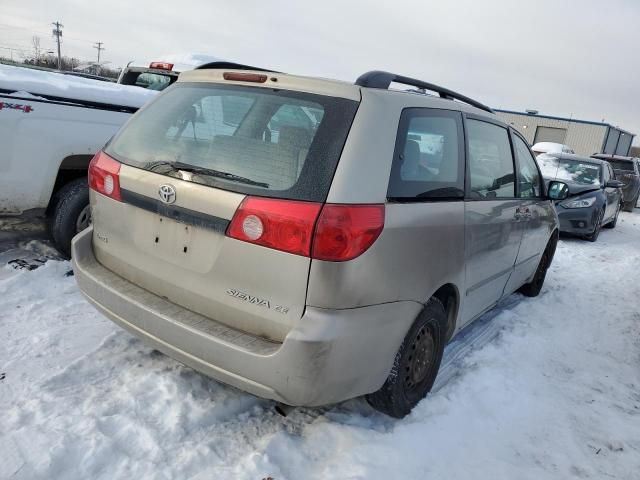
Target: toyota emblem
x,y
167,193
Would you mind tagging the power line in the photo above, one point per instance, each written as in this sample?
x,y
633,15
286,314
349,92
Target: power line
x,y
57,32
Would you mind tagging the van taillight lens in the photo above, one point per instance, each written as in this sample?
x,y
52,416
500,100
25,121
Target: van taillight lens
x,y
344,232
104,175
330,232
280,224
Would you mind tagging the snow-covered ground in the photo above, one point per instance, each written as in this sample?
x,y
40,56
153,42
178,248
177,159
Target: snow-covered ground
x,y
539,388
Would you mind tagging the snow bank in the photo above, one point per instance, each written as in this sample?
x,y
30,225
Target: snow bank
x,y
43,83
543,388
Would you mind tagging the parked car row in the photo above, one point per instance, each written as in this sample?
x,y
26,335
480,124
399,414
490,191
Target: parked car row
x,y
595,196
599,187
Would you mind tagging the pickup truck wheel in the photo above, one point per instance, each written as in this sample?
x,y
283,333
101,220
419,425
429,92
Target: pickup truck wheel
x,y
71,214
533,288
416,364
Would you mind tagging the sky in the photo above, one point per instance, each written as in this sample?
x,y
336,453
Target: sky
x,y
567,58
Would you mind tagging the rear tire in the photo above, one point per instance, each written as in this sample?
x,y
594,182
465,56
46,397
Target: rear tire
x,y
416,364
71,214
534,287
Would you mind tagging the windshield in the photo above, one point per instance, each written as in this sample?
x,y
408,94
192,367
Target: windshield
x,y
153,81
622,165
572,171
246,139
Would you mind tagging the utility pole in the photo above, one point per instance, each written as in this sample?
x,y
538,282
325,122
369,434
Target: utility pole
x,y
57,32
35,40
99,47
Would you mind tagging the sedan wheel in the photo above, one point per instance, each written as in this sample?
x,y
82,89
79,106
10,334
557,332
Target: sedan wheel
x,y
613,223
596,231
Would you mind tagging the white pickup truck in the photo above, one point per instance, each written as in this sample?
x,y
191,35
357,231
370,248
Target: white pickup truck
x,y
51,125
158,75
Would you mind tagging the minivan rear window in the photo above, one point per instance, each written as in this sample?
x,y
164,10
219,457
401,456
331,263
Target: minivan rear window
x,y
258,141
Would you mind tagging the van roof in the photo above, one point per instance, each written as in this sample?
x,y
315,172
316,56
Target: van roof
x,y
333,88
338,88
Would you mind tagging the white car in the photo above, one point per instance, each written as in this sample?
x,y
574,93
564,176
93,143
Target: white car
x,y
551,147
51,125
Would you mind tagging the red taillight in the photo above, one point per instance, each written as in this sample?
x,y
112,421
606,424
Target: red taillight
x,y
104,175
245,77
330,232
161,66
280,224
344,232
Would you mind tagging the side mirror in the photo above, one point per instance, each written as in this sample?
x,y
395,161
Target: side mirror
x,y
557,190
614,184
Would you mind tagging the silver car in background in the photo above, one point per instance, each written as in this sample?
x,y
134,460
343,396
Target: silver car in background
x,y
309,240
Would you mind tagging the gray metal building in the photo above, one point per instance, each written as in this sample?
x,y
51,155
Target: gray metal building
x,y
583,136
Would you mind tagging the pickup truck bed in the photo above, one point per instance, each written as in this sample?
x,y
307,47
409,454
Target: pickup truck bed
x,y
51,125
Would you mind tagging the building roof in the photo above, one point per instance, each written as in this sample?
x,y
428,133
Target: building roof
x,y
564,119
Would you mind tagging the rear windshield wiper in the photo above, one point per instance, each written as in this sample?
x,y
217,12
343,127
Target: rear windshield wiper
x,y
185,167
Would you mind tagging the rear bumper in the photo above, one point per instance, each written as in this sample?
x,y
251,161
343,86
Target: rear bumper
x,y
578,221
330,356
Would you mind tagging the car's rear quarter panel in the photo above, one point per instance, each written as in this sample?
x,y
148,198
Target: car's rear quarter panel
x,y
422,245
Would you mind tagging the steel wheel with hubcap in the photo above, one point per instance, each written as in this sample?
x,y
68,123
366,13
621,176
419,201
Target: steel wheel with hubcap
x,y
416,364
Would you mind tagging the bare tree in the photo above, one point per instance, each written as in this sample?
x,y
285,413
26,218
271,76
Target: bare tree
x,y
35,41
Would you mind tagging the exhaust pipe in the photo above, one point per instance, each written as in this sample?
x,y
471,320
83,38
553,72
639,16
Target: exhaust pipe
x,y
283,409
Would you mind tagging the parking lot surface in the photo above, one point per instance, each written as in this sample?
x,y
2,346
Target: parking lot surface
x,y
539,388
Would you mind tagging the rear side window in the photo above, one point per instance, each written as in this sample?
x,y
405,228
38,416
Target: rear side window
x,y
251,140
528,175
622,165
428,162
490,162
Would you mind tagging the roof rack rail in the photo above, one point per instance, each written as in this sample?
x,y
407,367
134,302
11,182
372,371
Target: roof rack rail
x,y
381,79
232,66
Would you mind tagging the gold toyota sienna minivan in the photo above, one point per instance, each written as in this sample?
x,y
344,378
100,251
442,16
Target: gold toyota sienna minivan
x,y
309,240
